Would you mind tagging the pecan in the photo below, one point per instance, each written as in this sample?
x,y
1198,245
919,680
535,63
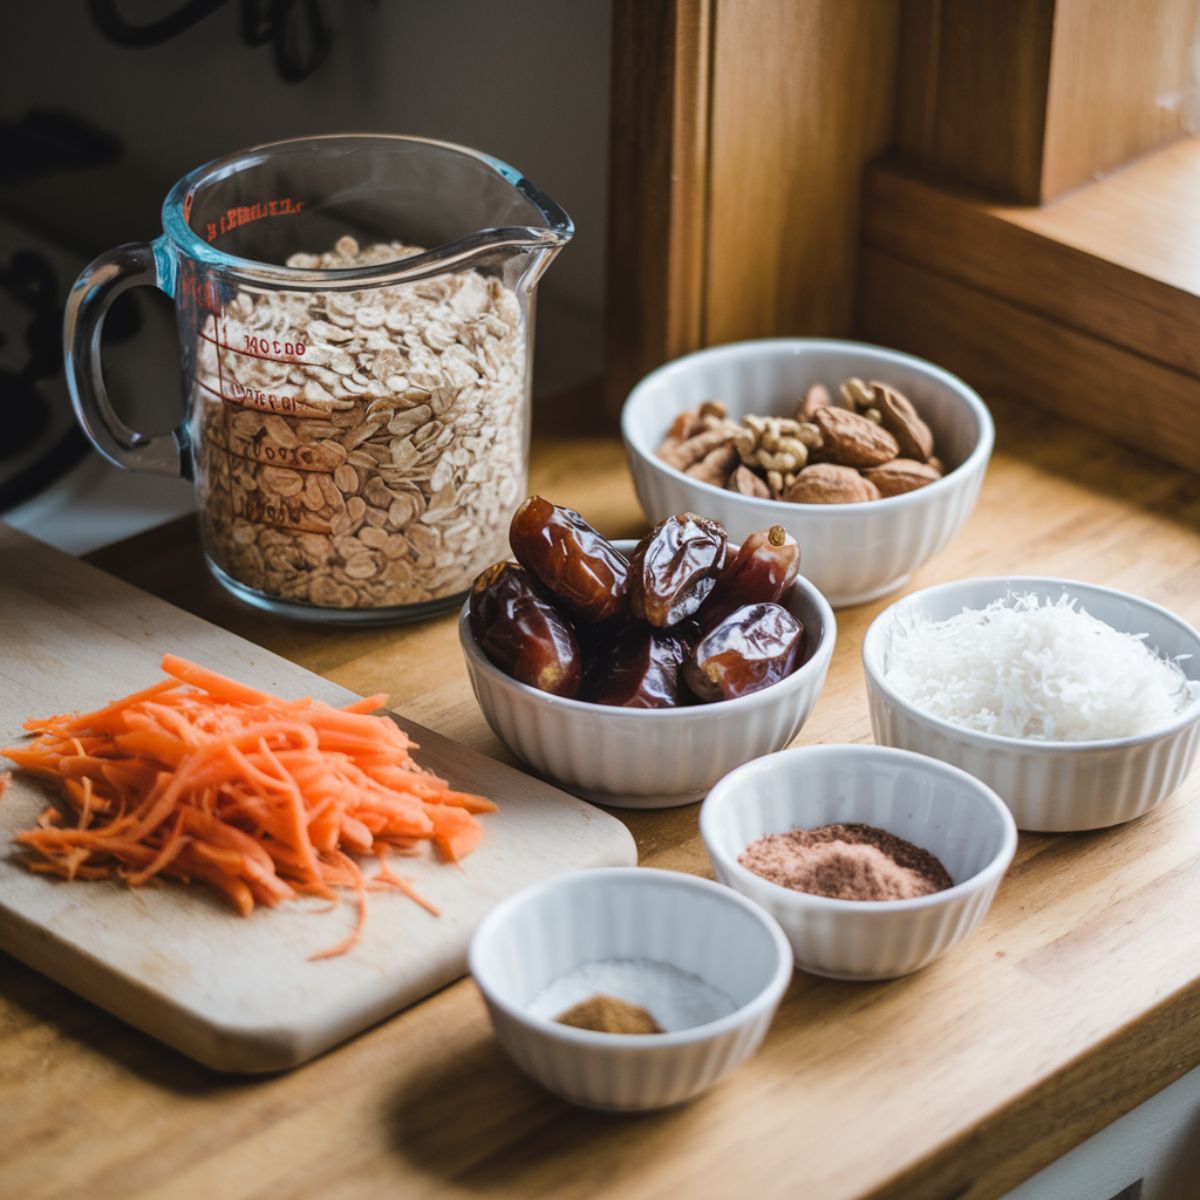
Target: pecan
x,y
682,455
816,397
686,425
901,475
851,440
692,421
828,483
901,420
746,483
715,466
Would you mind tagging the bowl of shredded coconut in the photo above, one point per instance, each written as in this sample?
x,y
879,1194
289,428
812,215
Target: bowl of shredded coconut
x,y
1078,704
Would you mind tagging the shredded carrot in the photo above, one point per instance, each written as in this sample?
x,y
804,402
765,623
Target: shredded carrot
x,y
203,779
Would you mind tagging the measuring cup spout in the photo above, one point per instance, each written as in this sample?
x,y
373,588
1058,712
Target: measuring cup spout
x,y
538,239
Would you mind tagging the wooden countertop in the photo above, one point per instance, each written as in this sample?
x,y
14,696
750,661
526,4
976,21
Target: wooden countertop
x,y
1078,997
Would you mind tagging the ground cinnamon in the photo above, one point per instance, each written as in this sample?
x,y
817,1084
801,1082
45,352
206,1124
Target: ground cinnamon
x,y
609,1014
846,862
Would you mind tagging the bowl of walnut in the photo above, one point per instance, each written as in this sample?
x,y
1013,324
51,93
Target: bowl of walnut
x,y
870,458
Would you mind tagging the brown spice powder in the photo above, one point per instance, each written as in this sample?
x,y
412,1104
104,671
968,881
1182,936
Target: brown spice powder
x,y
846,862
609,1014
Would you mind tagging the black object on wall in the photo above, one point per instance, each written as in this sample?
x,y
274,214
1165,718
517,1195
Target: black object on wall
x,y
295,29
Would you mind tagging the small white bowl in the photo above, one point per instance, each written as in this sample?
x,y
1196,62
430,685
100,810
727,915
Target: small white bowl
x,y
652,757
852,552
937,807
545,932
1050,786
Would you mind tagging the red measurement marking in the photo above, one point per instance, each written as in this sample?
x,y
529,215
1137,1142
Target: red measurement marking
x,y
283,464
244,214
220,381
212,391
276,513
220,345
289,461
256,343
220,377
293,406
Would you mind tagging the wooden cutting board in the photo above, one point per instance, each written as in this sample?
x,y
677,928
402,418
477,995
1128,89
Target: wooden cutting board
x,y
238,993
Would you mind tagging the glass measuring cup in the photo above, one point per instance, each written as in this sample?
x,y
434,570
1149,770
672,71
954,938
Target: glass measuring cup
x,y
355,317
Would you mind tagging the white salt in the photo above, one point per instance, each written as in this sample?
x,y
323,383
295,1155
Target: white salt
x,y
1039,670
675,999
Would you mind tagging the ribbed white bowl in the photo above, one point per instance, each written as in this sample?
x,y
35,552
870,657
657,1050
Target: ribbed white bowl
x,y
1050,786
652,757
547,931
852,552
937,807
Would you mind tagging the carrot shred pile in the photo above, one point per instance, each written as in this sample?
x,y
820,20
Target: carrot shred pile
x,y
206,780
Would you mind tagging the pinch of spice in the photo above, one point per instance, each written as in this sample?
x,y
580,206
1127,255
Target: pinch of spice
x,y
672,998
846,862
609,1014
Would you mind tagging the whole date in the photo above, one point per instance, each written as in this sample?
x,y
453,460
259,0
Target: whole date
x,y
753,647
584,572
522,632
683,620
640,670
674,568
761,572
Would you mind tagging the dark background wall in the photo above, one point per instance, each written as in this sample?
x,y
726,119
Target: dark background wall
x,y
526,80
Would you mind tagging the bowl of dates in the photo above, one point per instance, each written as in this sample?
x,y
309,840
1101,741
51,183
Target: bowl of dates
x,y
637,674
870,458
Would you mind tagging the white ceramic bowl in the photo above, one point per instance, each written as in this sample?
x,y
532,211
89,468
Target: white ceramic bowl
x,y
852,552
1050,786
542,934
937,807
652,757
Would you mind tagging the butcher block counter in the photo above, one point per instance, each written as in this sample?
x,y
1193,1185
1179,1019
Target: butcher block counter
x,y
1077,999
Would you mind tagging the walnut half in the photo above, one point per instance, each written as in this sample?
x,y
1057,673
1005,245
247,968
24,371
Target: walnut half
x,y
776,443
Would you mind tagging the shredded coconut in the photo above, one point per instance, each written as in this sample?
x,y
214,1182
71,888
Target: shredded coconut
x,y
1039,670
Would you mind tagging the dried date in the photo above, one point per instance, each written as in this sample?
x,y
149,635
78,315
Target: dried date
x,y
751,649
641,669
584,572
675,567
761,572
522,632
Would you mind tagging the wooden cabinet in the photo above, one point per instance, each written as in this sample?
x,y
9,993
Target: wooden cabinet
x,y
743,132
740,130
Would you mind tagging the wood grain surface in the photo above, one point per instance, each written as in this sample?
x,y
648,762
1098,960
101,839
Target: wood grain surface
x,y
658,186
1077,998
802,98
971,92
1122,83
739,132
1118,261
996,344
1033,98
241,995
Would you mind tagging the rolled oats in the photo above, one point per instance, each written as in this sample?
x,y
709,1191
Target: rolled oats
x,y
362,449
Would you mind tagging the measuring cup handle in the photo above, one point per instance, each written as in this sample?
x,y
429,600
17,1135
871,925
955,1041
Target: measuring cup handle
x,y
101,282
